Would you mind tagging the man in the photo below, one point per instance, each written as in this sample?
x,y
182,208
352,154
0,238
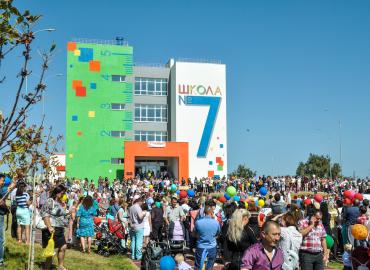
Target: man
x,y
206,230
350,215
3,194
277,205
175,216
265,255
136,217
313,252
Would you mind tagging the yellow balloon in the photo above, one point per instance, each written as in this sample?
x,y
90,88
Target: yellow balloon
x,y
150,186
246,205
64,198
261,203
248,184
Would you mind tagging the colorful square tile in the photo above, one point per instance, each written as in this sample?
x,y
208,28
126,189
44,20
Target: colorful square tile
x,y
91,114
74,118
93,85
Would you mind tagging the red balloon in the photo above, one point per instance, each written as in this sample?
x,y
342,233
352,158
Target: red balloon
x,y
183,194
318,198
347,201
307,201
222,199
359,196
349,194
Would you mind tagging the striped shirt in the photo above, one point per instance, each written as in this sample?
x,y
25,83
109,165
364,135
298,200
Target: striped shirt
x,y
22,200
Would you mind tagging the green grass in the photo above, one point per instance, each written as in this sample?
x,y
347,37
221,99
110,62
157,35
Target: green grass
x,y
16,257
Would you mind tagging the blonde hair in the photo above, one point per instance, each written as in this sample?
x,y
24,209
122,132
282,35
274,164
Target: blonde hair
x,y
179,258
236,226
348,247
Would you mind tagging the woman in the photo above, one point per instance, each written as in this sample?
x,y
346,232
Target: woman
x,y
238,238
122,216
290,238
157,220
22,213
85,222
55,218
147,225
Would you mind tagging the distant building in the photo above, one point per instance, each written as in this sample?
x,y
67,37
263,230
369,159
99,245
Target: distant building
x,y
125,120
57,165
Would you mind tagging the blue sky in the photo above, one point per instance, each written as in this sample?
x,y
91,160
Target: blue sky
x,y
294,68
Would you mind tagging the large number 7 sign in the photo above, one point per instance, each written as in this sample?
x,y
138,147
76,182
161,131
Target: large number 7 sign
x,y
214,104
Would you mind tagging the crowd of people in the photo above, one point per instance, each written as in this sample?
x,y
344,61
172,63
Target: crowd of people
x,y
256,223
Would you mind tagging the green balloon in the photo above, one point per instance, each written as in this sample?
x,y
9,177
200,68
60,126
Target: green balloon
x,y
231,191
173,187
329,241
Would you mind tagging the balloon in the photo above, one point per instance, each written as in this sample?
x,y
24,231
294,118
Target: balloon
x,y
7,181
318,198
158,204
261,202
359,231
64,198
173,187
227,197
329,241
246,205
231,191
248,184
222,199
177,192
263,191
347,201
149,201
349,194
359,196
167,263
236,198
191,193
183,194
307,201
150,186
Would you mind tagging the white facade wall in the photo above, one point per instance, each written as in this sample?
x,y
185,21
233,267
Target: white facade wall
x,y
200,95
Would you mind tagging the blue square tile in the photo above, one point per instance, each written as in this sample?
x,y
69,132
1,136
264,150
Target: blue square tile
x,y
74,117
86,54
221,145
210,162
93,85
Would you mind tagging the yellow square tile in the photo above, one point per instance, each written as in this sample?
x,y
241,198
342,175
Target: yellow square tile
x,y
77,52
70,155
91,114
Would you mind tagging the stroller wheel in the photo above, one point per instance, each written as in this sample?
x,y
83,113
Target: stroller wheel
x,y
106,254
100,252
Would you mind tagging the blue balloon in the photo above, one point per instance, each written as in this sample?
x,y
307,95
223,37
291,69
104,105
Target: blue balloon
x,y
167,263
191,193
178,192
7,181
227,197
263,191
236,198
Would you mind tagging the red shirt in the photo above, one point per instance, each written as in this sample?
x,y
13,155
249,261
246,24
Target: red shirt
x,y
312,241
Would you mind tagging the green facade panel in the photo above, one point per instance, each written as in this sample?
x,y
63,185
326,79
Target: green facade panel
x,y
91,90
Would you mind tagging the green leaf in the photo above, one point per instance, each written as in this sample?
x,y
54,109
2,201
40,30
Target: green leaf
x,y
52,48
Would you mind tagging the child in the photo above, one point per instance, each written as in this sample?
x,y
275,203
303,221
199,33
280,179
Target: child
x,y
181,264
362,219
347,263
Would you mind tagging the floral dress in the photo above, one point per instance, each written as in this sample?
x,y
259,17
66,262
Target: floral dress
x,y
86,222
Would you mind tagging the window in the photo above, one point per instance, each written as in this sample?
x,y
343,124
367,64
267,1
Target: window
x,y
150,113
156,136
117,134
118,78
117,161
118,106
150,86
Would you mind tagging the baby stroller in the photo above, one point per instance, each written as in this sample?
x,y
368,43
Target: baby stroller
x,y
176,238
360,258
109,236
152,255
